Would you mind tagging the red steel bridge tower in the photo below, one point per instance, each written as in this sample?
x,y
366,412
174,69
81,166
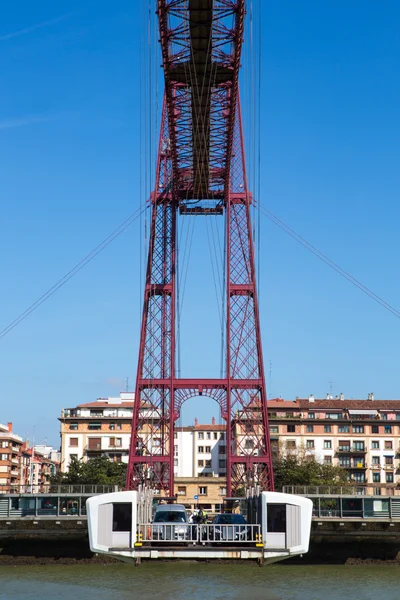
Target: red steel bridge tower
x,y
200,171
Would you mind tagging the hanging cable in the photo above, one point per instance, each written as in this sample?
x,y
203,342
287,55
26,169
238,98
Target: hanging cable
x,y
72,272
325,259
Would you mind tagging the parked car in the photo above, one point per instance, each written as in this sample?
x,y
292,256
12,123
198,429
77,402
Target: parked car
x,y
170,523
230,527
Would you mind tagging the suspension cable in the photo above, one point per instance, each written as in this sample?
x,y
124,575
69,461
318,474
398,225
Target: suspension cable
x,y
321,256
72,272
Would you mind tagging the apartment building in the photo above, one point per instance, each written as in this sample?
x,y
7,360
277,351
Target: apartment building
x,y
203,492
37,469
10,458
361,436
200,450
97,428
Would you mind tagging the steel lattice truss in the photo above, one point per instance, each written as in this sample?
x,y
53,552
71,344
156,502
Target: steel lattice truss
x,y
200,170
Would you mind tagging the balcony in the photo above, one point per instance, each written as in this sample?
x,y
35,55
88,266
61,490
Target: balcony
x,y
350,450
355,466
389,467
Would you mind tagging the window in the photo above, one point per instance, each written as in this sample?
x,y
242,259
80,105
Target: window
x,y
119,426
72,457
222,463
310,428
389,477
222,436
344,461
359,446
222,491
215,435
249,444
311,415
388,445
115,442
122,516
3,456
310,444
208,435
291,444
157,442
175,435
333,416
376,461
222,450
200,449
201,435
208,464
73,426
388,460
208,449
112,426
175,450
358,428
375,429
344,429
274,429
376,477
94,444
388,429
276,518
327,428
327,460
203,490
73,441
181,490
96,412
291,428
4,445
327,444
175,462
94,426
359,477
375,445
200,463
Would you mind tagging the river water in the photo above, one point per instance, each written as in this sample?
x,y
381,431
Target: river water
x,y
190,581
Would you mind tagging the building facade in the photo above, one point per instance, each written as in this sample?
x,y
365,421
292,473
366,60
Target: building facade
x,y
10,458
97,428
360,436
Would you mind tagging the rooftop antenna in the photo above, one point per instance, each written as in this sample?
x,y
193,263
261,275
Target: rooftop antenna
x,y
330,388
127,385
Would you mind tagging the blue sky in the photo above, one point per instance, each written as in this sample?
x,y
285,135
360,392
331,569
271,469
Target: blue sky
x,y
70,173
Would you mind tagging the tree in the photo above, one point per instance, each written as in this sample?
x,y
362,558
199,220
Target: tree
x,y
291,469
97,471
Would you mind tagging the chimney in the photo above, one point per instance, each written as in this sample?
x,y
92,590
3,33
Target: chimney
x,y
371,396
341,396
213,421
196,422
9,426
311,398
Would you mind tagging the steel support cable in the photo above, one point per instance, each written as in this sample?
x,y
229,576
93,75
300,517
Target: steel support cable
x,y
311,248
72,272
213,273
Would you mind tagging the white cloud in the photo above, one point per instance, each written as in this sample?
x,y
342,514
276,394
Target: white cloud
x,y
23,121
32,28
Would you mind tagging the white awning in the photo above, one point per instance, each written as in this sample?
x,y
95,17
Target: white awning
x,y
363,412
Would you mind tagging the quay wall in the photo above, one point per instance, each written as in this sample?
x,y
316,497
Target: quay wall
x,y
65,541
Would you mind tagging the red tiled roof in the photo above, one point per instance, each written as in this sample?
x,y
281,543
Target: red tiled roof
x,y
105,404
335,403
210,427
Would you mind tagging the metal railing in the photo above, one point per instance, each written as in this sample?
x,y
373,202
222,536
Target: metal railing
x,y
199,534
59,489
